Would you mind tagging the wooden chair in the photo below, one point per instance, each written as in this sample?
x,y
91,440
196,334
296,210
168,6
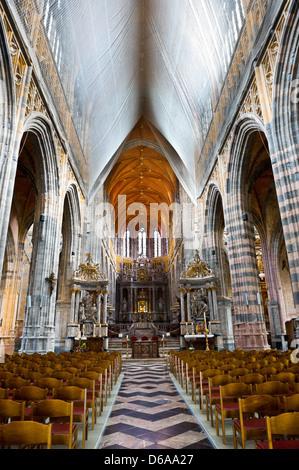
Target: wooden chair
x,y
285,377
274,388
26,434
98,378
91,402
227,367
253,367
293,369
33,375
213,395
253,427
267,371
4,374
75,371
22,372
291,403
4,393
107,365
228,408
253,379
105,381
196,378
60,415
238,372
49,383
11,410
15,382
63,375
47,371
189,374
282,432
79,398
204,384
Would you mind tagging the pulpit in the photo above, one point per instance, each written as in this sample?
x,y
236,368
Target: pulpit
x,y
145,350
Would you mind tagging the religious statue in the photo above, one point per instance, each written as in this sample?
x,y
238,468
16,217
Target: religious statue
x,y
161,305
124,305
199,305
87,310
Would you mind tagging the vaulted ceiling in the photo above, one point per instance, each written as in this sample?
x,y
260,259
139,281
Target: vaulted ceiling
x,y
142,174
161,60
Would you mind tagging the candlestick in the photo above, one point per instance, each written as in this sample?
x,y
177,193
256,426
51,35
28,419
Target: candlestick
x,y
127,347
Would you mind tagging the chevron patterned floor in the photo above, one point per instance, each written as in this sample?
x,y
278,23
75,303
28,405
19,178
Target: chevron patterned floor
x,y
149,413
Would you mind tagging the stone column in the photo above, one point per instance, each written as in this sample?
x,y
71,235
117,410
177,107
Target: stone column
x,y
73,303
77,302
105,325
210,303
98,292
183,319
188,305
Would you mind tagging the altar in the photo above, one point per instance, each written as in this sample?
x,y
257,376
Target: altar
x,y
145,350
201,342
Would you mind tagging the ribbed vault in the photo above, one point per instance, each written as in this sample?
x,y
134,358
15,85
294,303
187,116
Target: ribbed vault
x,y
121,60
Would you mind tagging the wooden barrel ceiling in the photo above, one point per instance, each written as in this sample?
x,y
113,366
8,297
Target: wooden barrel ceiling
x,y
143,175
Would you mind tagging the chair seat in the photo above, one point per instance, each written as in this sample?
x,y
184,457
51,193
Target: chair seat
x,y
228,406
279,445
258,424
62,428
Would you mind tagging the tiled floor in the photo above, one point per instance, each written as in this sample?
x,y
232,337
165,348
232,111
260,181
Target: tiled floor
x,y
149,413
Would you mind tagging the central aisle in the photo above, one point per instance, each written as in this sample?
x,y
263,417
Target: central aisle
x,y
149,413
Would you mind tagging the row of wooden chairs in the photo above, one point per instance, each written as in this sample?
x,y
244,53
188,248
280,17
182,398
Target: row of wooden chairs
x,y
83,380
269,383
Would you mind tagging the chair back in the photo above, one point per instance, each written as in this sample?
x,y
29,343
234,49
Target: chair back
x,y
235,390
55,408
30,393
238,372
15,382
11,409
272,387
4,393
48,382
291,403
263,405
285,377
26,433
284,424
70,393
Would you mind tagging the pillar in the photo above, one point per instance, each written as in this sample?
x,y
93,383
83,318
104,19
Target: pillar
x,y
105,325
98,293
183,319
73,303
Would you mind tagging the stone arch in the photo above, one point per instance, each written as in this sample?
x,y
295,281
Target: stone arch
x,y
285,122
48,168
246,290
7,134
216,248
69,256
284,139
216,255
38,137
